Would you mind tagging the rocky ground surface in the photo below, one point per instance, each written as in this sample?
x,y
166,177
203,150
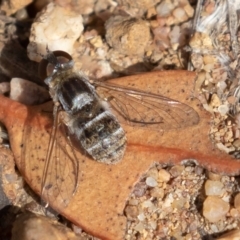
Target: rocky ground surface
x,y
108,39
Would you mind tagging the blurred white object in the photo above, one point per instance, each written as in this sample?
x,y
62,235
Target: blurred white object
x,y
27,92
56,28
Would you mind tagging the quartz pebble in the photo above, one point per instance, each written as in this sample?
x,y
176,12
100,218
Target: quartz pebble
x,y
164,9
157,192
215,209
234,213
213,188
151,182
153,172
176,170
223,109
131,212
214,176
163,176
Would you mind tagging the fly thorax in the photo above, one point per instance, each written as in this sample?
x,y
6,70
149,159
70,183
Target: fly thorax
x,y
75,94
82,102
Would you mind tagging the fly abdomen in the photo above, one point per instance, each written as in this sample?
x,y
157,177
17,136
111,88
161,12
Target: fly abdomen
x,y
103,138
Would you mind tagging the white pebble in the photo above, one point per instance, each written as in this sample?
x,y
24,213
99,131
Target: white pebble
x,y
55,27
214,188
139,227
147,204
153,225
223,109
151,182
164,9
141,217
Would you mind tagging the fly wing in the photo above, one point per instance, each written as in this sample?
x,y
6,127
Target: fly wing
x,y
142,109
60,176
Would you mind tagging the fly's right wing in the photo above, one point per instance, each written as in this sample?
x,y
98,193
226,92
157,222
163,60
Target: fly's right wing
x,y
61,169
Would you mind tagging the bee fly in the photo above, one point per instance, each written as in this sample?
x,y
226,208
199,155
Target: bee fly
x,y
89,120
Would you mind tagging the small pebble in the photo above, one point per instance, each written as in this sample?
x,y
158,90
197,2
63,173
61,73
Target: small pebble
x,y
234,213
131,212
152,172
157,192
176,170
140,189
215,101
180,14
147,204
151,182
237,202
153,224
163,175
236,143
164,8
223,109
215,209
178,204
141,217
139,227
214,188
214,176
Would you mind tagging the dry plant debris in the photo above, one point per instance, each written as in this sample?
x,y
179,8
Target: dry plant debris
x,y
107,49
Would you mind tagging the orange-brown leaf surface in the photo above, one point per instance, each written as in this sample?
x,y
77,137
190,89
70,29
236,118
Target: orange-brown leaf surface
x,y
102,191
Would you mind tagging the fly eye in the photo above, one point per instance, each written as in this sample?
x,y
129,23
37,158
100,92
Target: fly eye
x,y
50,61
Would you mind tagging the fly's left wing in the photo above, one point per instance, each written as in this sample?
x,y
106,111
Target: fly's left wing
x,y
143,109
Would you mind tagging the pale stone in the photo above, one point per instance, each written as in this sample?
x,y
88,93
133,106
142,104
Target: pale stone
x,y
213,188
223,109
164,8
151,182
163,175
237,202
176,170
215,209
56,28
131,212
